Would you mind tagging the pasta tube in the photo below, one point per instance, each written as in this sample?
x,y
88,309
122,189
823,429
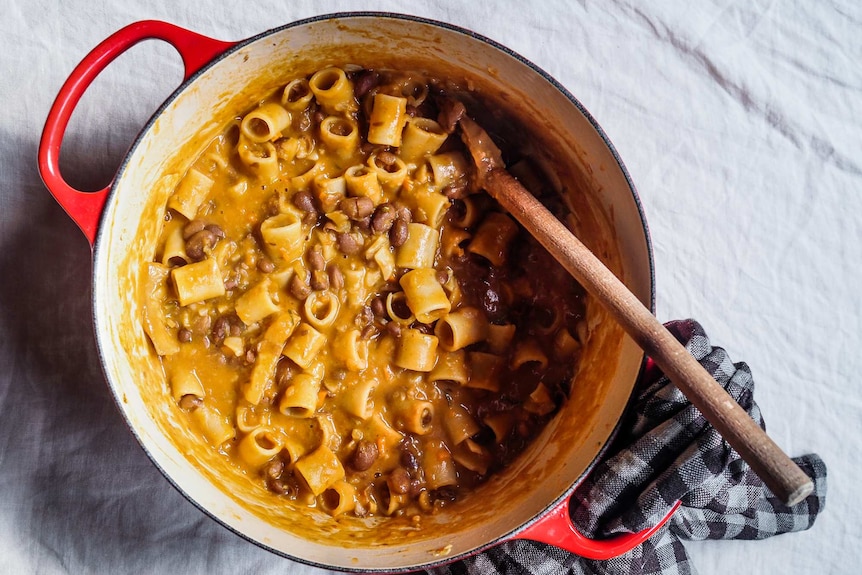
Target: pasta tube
x,y
425,296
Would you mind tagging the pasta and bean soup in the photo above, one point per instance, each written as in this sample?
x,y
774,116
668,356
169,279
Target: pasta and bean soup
x,y
343,315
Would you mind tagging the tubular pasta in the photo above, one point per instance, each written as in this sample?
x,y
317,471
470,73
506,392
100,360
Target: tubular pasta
x,y
362,182
459,424
528,351
447,168
260,158
329,191
191,192
265,123
282,237
432,207
461,328
304,345
484,370
565,345
198,281
186,382
213,425
259,446
420,248
438,466
392,308
333,91
416,350
451,366
300,396
296,95
500,337
388,116
416,416
425,296
357,398
155,320
390,177
340,135
421,137
473,456
257,303
175,244
338,498
493,238
320,469
262,373
321,309
351,350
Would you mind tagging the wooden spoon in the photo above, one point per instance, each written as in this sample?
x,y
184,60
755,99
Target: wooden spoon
x,y
772,465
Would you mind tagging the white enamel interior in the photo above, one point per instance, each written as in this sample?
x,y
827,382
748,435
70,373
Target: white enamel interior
x,y
127,237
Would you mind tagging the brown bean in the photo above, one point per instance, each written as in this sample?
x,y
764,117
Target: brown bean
x,y
281,486
299,287
364,82
221,328
184,335
349,243
383,218
319,280
368,331
357,208
265,265
378,306
365,316
398,233
273,469
304,201
399,481
192,228
336,278
404,213
393,329
216,230
386,159
364,455
315,258
190,402
198,244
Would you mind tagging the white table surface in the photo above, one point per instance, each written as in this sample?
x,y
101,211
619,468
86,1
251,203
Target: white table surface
x,y
738,121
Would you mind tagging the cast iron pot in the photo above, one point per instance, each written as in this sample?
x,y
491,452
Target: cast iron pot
x,y
530,499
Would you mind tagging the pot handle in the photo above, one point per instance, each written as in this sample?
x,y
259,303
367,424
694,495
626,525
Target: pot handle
x,y
556,528
85,208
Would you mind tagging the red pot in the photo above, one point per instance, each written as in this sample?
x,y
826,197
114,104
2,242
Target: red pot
x,y
530,499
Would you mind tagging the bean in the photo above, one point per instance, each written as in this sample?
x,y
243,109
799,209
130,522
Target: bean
x,y
368,331
378,306
349,243
192,228
386,159
365,316
273,469
319,280
336,278
221,328
281,487
298,287
383,218
304,201
404,213
265,265
216,230
364,82
393,329
399,481
315,258
199,243
357,208
398,233
184,335
190,402
364,455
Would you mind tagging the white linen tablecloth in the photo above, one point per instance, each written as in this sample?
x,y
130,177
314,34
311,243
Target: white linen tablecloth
x,y
738,121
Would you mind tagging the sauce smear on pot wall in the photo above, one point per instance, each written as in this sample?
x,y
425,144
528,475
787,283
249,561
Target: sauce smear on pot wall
x,y
343,316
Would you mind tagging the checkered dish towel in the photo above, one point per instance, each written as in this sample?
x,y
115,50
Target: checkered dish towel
x,y
666,451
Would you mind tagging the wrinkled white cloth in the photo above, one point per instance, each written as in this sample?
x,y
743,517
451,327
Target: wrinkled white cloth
x,y
739,122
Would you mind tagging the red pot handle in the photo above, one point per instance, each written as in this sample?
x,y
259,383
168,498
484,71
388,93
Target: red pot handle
x,y
556,528
85,208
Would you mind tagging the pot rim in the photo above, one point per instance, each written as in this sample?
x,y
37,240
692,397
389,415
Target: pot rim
x,y
184,85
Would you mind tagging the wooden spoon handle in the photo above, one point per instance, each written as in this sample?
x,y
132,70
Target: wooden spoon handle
x,y
771,464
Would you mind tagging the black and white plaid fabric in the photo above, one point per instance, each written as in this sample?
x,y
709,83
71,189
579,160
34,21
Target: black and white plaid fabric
x,y
666,452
